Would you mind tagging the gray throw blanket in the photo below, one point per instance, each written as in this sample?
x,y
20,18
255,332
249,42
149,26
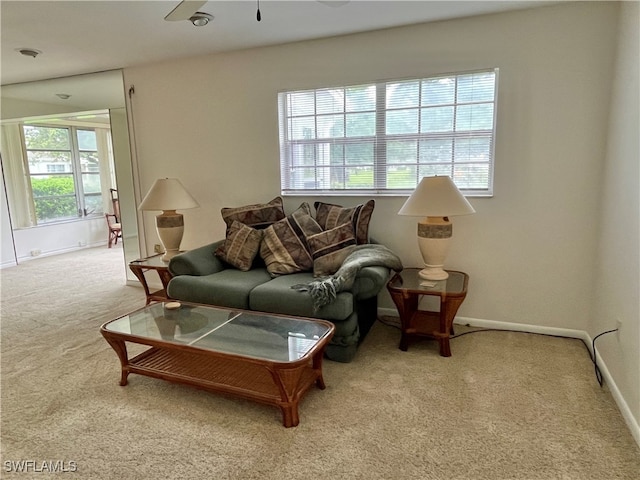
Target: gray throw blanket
x,y
323,291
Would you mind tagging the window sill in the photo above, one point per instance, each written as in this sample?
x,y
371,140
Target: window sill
x,y
63,222
311,193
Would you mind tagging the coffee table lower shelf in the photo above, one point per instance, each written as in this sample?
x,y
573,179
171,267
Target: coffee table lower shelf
x,y
278,384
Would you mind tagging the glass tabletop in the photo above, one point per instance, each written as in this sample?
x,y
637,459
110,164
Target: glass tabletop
x,y
409,280
249,334
154,261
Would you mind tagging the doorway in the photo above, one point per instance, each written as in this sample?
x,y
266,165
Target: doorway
x,y
90,111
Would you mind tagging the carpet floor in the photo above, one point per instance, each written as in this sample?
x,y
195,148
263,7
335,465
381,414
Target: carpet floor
x,y
504,406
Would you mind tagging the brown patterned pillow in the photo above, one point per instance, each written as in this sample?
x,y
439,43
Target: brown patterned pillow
x,y
241,246
330,216
258,215
284,246
330,248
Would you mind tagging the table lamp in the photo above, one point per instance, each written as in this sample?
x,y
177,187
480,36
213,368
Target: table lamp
x,y
168,195
436,199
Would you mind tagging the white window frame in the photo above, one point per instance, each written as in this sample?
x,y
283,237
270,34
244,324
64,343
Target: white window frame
x,y
77,172
316,147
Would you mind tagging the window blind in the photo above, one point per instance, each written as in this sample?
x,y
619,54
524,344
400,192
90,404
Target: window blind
x,y
383,137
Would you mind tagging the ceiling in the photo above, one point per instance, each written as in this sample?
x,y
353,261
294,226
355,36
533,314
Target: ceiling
x,y
77,37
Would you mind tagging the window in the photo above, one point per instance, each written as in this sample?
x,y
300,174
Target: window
x,y
64,172
382,138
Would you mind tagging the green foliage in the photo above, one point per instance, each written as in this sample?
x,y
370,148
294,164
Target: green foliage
x,y
54,197
360,178
47,138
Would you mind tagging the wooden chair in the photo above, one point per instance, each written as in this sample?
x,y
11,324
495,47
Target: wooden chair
x,y
113,219
116,203
115,229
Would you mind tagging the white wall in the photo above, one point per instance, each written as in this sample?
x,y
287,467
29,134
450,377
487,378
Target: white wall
x,y
530,250
618,274
60,237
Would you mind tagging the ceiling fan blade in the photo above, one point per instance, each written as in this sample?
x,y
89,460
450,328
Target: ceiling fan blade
x,y
184,10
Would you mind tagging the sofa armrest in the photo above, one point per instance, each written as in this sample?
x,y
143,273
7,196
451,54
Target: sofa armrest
x,y
369,281
199,261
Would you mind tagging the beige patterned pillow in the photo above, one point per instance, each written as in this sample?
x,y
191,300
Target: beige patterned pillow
x,y
330,216
330,248
284,246
258,215
241,246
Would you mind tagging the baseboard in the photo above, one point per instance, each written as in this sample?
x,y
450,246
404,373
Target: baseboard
x,y
520,327
12,263
60,251
629,419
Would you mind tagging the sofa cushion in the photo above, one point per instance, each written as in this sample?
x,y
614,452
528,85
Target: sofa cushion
x,y
330,248
330,216
277,296
257,215
241,246
228,288
284,247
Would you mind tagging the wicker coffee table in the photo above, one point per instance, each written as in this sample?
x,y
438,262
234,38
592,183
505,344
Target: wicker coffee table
x,y
267,358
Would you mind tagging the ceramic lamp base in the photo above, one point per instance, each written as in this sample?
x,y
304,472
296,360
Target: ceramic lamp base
x,y
170,226
434,240
169,254
433,272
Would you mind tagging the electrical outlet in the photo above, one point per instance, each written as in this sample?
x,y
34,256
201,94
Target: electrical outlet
x,y
36,252
158,248
618,326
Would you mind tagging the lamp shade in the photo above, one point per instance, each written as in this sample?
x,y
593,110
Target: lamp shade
x,y
167,194
436,197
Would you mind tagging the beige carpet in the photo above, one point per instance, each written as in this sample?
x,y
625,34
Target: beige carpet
x,y
504,406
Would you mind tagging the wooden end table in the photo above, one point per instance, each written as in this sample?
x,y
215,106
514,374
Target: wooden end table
x,y
154,262
406,289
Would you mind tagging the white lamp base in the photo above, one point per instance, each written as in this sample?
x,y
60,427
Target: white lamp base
x,y
433,272
434,240
170,227
169,254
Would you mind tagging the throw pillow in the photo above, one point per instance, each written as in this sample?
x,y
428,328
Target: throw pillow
x,y
330,248
284,246
241,246
330,216
258,215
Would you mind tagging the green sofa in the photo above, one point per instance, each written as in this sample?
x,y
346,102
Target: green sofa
x,y
202,277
